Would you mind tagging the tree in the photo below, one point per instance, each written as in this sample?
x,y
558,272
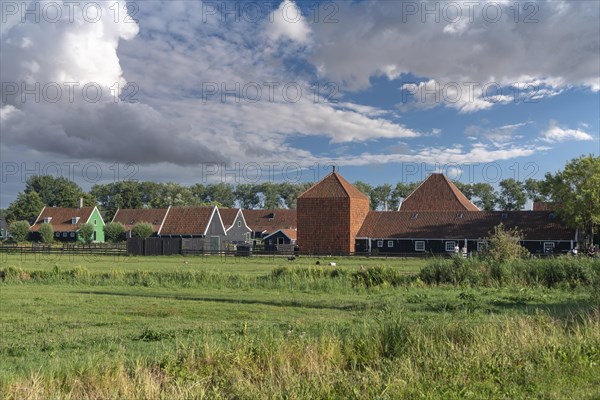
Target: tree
x,y
142,230
46,233
270,195
221,193
504,244
381,196
535,190
400,192
86,233
26,207
57,192
511,196
576,190
365,188
114,232
483,196
19,230
246,195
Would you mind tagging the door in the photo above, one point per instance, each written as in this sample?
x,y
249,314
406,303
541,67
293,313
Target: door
x,y
215,243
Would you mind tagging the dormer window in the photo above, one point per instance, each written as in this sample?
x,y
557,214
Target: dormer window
x,y
504,216
459,215
74,220
415,216
47,220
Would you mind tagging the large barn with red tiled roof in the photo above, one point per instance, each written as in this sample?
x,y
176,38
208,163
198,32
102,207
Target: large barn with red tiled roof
x,y
131,216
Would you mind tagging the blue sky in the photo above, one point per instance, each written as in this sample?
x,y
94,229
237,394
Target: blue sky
x,y
210,91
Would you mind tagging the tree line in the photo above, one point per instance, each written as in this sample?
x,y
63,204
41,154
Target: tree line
x,y
576,189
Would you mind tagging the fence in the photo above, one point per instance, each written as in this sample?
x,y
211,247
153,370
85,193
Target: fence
x,y
71,249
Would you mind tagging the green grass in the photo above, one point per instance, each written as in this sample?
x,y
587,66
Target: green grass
x,y
265,327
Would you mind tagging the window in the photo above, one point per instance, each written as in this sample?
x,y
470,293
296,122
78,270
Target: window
x,y
420,245
94,238
504,216
239,224
482,245
414,216
270,241
548,247
247,235
72,234
459,215
380,243
95,221
47,220
390,243
64,234
74,220
280,240
56,234
450,246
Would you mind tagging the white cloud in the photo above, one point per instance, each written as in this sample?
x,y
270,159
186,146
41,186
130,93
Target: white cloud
x,y
288,23
555,133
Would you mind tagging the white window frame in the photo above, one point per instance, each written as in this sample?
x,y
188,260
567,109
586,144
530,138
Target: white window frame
x,y
549,247
239,224
380,243
64,234
72,234
390,243
56,234
482,245
450,246
47,220
74,220
420,245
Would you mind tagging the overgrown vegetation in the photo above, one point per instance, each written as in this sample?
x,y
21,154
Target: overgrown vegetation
x,y
142,230
46,233
114,232
504,245
19,230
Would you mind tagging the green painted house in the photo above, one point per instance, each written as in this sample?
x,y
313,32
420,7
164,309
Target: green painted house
x,y
66,223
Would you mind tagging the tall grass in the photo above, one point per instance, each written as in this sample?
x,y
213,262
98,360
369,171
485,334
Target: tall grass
x,y
551,272
519,357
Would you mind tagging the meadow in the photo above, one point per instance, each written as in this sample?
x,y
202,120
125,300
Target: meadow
x,y
222,327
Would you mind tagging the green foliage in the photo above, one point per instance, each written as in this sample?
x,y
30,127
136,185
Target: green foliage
x,y
142,230
114,232
512,195
504,244
46,233
576,190
26,207
86,233
19,230
57,192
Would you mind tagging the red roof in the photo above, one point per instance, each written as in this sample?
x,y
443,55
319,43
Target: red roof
x,y
290,233
437,193
228,215
461,224
544,206
129,217
269,221
61,218
333,185
187,221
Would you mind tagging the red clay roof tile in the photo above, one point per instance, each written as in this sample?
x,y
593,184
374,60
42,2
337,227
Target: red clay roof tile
x,y
437,193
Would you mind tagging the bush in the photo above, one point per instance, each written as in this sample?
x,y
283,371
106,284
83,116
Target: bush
x,y
86,232
46,233
19,230
114,232
504,244
142,230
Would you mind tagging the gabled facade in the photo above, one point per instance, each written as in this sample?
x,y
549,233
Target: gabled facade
x,y
437,193
281,240
195,222
330,215
66,223
237,230
129,217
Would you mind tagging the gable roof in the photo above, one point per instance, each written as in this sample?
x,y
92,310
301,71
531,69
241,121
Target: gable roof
x,y
292,234
333,186
544,206
131,216
228,215
269,221
437,193
188,221
62,218
462,224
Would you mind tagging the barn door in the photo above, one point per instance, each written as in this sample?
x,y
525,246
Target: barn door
x,y
215,243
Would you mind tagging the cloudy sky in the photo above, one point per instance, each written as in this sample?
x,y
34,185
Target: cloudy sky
x,y
191,91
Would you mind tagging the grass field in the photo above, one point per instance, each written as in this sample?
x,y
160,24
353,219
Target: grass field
x,y
212,327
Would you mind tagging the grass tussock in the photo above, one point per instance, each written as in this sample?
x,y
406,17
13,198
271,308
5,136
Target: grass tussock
x,y
517,357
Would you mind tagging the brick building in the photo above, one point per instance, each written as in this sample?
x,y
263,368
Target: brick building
x,y
330,215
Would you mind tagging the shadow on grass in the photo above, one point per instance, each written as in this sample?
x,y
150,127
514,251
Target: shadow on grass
x,y
282,303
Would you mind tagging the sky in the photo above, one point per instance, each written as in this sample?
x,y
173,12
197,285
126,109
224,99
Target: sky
x,y
253,91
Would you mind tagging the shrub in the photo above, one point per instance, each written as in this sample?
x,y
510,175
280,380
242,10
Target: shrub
x,y
114,232
504,244
46,233
19,230
142,230
86,232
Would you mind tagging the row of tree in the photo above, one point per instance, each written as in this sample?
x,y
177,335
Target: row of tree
x,y
577,189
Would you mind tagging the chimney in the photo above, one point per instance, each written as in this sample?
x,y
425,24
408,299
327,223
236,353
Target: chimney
x,y
81,202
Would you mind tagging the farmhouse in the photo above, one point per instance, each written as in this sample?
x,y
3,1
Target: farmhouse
x,y
66,223
195,222
130,216
265,222
238,232
334,218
